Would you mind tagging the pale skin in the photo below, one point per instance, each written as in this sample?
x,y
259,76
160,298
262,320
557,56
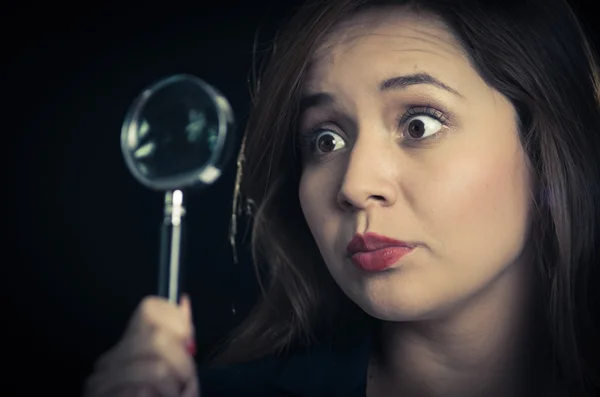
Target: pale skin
x,y
454,308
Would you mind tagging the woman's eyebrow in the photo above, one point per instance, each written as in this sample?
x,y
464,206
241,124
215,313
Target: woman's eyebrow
x,y
315,100
392,84
401,82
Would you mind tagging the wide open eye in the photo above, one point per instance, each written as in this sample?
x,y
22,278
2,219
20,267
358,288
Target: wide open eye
x,y
328,141
421,126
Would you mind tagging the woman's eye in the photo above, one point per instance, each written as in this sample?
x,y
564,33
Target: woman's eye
x,y
422,126
328,141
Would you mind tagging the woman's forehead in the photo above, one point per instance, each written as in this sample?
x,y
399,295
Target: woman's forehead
x,y
384,22
381,37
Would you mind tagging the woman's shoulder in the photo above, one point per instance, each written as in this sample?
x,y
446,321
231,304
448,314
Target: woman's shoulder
x,y
326,369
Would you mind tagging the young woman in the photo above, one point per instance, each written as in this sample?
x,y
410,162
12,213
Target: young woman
x,y
426,180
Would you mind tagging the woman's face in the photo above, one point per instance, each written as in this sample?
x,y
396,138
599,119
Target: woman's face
x,y
402,138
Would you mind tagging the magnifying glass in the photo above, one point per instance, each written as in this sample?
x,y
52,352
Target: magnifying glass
x,y
177,135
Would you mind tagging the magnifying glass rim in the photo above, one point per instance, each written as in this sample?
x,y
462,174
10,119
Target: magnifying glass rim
x,y
130,128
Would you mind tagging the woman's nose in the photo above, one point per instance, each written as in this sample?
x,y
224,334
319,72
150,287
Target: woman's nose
x,y
369,178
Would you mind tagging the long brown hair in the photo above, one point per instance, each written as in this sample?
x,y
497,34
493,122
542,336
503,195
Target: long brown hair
x,y
532,51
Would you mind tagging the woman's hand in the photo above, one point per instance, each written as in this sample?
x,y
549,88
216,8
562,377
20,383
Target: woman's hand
x,y
153,359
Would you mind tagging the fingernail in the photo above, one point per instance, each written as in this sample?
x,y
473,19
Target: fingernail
x,y
191,347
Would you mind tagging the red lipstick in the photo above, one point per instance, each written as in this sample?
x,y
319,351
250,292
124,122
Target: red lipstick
x,y
374,253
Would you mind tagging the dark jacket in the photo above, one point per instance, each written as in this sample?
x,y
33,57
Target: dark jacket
x,y
333,369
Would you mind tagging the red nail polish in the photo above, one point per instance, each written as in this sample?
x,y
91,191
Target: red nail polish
x,y
191,347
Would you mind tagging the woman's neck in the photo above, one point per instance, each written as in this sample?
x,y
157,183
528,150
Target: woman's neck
x,y
480,348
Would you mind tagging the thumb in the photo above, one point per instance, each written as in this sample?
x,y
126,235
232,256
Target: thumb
x,y
185,306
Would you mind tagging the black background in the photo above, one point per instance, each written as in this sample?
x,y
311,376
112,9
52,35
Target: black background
x,y
80,234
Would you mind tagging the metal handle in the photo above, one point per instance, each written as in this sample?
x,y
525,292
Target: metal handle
x,y
171,248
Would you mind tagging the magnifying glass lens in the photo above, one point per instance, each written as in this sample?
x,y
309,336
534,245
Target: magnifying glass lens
x,y
177,134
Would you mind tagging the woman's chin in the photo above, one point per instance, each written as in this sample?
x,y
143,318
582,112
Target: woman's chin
x,y
396,310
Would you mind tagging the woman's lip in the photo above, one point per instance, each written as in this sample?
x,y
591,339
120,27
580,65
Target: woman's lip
x,y
379,259
372,242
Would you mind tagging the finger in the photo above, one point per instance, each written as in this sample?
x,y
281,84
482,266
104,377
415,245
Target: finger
x,y
156,312
186,308
143,376
185,305
155,345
